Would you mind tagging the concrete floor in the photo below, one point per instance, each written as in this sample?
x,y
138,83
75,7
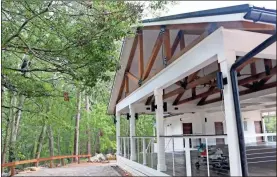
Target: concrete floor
x,y
258,169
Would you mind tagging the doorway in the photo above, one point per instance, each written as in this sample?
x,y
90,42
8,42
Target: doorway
x,y
187,129
219,131
258,130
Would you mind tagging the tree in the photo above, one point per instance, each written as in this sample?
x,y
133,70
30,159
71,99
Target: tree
x,y
52,47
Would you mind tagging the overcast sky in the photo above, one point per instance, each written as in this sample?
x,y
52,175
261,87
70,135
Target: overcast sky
x,y
190,6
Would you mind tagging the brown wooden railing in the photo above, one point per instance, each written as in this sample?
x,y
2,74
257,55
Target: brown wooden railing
x,y
12,165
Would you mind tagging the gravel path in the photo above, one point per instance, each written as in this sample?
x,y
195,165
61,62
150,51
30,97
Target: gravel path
x,y
86,169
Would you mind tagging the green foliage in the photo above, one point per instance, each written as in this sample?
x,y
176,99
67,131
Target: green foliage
x,y
270,123
69,46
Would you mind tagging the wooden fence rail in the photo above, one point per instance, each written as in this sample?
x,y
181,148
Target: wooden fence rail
x,y
12,165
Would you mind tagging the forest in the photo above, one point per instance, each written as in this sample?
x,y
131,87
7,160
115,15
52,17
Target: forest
x,y
58,63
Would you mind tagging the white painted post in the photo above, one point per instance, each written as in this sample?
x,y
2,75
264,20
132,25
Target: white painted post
x,y
264,130
132,132
203,123
143,152
124,142
118,148
207,151
187,151
161,166
152,153
226,62
138,148
173,157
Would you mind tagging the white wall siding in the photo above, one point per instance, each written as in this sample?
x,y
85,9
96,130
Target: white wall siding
x,y
173,126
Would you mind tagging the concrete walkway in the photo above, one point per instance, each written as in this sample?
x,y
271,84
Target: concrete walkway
x,y
85,169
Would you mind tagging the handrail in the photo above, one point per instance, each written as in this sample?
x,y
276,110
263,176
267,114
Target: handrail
x,y
260,134
13,164
195,136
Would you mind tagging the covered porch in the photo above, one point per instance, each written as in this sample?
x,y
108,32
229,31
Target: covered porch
x,y
178,86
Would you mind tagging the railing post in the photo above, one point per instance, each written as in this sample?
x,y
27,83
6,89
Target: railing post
x,y
188,163
36,163
124,142
173,157
207,152
12,169
118,148
132,133
51,164
138,148
62,160
143,151
78,160
152,152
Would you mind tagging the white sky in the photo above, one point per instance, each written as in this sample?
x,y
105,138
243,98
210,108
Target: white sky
x,y
190,6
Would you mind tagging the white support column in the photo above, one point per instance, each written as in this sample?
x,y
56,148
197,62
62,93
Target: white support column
x,y
118,148
188,159
264,129
144,151
132,132
230,118
201,117
125,147
161,166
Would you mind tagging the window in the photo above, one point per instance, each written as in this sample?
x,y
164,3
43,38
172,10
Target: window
x,y
245,125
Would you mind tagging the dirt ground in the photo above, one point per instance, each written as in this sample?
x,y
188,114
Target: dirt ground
x,y
83,169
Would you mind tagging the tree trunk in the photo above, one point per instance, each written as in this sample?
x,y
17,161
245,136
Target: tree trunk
x,y
40,141
88,127
19,113
97,144
12,132
34,150
77,122
6,138
51,143
58,144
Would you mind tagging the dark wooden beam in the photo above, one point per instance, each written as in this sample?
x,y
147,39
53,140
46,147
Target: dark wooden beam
x,y
193,92
166,41
176,41
149,100
257,77
202,80
267,62
201,95
240,82
190,46
126,86
141,59
153,56
249,86
253,69
132,77
203,99
182,41
252,60
178,98
130,60
121,90
244,92
132,53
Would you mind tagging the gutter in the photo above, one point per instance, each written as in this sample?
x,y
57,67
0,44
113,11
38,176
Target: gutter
x,y
261,14
255,14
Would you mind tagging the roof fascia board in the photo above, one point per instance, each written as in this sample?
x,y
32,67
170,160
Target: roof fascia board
x,y
219,18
